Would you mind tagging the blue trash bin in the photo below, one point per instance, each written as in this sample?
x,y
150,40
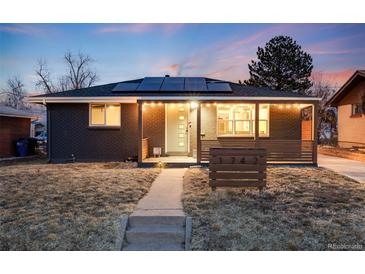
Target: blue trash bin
x,y
21,147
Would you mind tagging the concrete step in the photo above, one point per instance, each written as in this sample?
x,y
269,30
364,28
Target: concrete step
x,y
155,234
154,247
156,220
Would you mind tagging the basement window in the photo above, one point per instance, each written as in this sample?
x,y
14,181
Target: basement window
x,y
104,115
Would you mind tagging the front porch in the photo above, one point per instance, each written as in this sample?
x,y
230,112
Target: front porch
x,y
170,159
286,129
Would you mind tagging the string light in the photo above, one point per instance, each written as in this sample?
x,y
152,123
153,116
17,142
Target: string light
x,y
193,105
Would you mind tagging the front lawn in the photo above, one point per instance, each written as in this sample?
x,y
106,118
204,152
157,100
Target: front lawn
x,y
301,209
67,206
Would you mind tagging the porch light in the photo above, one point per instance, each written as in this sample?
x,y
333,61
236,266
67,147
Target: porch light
x,y
280,106
215,103
152,104
193,105
207,105
159,103
288,106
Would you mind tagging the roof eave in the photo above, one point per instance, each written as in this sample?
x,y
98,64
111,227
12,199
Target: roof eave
x,y
134,99
333,100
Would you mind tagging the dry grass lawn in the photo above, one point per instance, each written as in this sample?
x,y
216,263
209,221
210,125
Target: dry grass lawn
x,y
67,206
302,209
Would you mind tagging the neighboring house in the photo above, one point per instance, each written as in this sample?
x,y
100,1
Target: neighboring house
x,y
178,118
350,102
14,124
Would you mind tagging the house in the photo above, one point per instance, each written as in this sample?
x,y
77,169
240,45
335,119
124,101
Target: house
x,y
350,103
177,120
14,124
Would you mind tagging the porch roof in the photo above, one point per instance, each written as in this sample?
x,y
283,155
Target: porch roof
x,y
109,92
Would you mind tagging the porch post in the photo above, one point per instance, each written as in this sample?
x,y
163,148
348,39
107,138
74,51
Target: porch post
x,y
257,117
198,134
140,130
314,131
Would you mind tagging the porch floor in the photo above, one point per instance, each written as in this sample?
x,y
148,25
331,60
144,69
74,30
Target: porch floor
x,y
170,159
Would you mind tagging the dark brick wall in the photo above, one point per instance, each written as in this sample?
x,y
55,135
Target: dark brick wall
x,y
70,133
154,126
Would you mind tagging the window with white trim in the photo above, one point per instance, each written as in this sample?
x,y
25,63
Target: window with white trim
x,y
104,115
239,120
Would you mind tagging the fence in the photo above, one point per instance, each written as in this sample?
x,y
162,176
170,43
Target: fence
x,y
237,167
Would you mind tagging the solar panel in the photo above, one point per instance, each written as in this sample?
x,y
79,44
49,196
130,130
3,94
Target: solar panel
x,y
151,84
219,87
125,87
173,84
195,84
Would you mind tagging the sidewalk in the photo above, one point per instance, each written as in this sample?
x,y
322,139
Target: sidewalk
x,y
350,168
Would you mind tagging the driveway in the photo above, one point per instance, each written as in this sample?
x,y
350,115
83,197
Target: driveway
x,y
351,168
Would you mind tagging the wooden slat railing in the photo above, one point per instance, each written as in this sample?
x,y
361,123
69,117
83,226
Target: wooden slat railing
x,y
237,167
278,151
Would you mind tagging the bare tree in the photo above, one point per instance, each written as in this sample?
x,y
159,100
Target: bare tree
x,y
327,116
79,74
44,79
14,93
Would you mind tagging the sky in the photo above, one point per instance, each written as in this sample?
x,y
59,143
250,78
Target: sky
x,y
131,51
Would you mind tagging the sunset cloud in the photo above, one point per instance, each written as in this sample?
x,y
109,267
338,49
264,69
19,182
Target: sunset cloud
x,y
337,46
222,51
20,29
139,28
335,78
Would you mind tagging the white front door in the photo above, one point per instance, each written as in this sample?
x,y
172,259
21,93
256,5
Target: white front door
x,y
177,129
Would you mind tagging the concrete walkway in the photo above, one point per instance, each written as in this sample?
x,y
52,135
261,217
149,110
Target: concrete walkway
x,y
350,168
159,222
165,194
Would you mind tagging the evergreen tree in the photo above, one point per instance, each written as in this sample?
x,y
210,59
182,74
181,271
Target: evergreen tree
x,y
281,65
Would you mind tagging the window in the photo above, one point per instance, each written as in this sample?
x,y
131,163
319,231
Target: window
x,y
356,109
104,115
239,120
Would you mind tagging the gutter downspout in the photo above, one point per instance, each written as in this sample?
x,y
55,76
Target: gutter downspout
x,y
48,132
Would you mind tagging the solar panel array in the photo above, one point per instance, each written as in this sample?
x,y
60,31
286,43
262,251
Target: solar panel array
x,y
151,84
174,84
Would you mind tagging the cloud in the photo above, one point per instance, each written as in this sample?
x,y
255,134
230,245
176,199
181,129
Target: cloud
x,y
334,78
20,29
139,28
337,46
173,70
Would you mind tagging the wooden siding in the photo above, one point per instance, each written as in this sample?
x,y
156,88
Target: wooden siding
x,y
278,151
237,167
11,129
145,148
307,130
